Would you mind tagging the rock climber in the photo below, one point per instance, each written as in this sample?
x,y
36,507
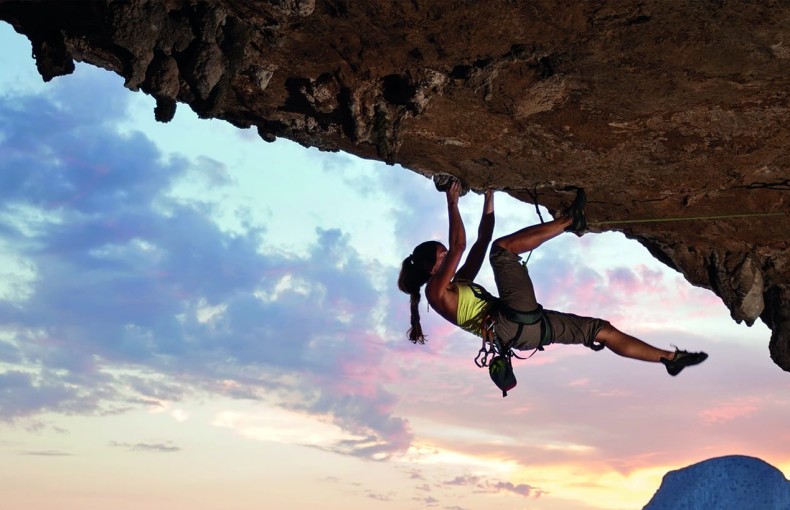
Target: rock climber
x,y
516,316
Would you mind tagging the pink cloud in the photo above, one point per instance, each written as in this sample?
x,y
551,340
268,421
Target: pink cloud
x,y
362,371
731,410
479,484
638,280
702,298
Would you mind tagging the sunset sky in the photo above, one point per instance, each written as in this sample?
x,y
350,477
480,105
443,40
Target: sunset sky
x,y
192,318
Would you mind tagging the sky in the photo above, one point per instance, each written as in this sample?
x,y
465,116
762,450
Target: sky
x,y
193,318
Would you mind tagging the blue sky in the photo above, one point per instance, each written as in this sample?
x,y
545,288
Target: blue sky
x,y
188,309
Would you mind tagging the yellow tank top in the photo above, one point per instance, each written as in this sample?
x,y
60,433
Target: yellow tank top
x,y
471,309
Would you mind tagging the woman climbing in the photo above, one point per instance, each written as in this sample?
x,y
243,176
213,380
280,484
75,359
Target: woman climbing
x,y
519,321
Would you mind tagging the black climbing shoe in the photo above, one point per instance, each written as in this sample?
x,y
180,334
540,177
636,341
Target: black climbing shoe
x,y
682,360
576,212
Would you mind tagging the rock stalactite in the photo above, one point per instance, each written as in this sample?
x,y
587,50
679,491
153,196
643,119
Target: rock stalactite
x,y
659,109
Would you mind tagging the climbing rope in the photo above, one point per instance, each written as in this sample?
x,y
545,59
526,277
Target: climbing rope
x,y
533,195
689,218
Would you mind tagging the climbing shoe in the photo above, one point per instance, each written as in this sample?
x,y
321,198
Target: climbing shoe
x,y
576,212
682,360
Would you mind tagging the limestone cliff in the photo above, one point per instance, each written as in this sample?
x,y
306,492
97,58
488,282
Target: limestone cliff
x,y
660,109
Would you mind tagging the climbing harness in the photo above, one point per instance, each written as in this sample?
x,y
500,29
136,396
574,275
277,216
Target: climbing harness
x,y
496,354
500,366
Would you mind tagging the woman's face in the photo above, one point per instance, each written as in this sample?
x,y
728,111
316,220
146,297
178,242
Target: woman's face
x,y
441,252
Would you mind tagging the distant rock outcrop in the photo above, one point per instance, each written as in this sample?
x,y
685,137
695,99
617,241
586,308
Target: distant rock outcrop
x,y
725,483
659,109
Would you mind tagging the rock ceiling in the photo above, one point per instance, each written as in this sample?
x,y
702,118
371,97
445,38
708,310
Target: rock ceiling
x,y
659,109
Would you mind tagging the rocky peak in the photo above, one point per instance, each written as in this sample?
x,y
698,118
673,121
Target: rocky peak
x,y
661,110
733,482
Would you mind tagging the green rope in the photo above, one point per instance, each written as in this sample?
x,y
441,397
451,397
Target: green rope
x,y
656,220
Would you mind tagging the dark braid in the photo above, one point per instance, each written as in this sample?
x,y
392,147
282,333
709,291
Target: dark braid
x,y
415,331
414,273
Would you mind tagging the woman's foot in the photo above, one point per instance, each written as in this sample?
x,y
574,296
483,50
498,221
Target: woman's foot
x,y
576,213
683,359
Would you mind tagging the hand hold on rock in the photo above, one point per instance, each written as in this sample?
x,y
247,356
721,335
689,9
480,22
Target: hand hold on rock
x,y
443,182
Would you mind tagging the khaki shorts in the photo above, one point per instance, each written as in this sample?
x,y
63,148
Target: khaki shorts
x,y
517,292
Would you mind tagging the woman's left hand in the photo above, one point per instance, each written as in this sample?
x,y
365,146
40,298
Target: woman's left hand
x,y
488,202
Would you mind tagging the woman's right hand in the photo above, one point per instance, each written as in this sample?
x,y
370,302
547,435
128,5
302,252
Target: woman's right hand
x,y
453,192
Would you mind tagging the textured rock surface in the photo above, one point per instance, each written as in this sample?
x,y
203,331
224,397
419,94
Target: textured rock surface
x,y
734,482
659,109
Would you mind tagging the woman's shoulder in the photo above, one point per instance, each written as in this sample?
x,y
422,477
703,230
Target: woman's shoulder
x,y
434,288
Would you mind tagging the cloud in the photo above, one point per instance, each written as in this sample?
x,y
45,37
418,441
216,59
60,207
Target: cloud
x,y
731,409
427,501
419,211
45,453
132,281
24,394
147,447
465,480
521,489
379,497
487,485
9,353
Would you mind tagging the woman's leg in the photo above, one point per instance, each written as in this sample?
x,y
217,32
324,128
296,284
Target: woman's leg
x,y
629,346
529,238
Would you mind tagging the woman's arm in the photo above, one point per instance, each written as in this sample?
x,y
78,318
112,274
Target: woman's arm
x,y
440,281
477,253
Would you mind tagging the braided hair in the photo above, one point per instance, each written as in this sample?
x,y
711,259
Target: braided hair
x,y
415,272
